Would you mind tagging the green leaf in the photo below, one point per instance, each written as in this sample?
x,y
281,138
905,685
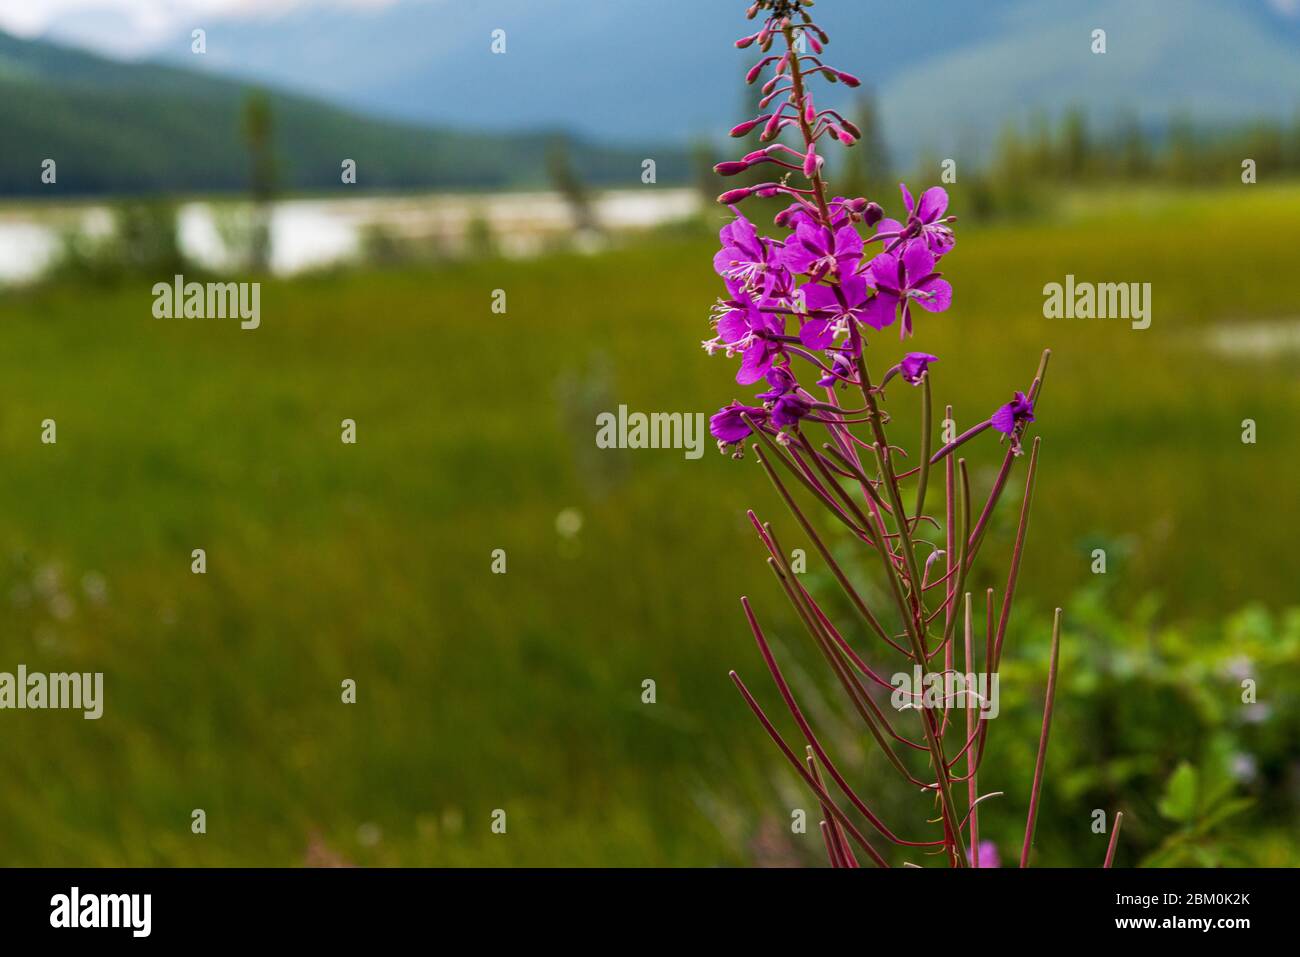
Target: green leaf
x,y
1179,801
1224,811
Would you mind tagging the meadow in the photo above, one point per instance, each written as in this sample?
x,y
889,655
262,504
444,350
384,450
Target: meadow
x,y
523,691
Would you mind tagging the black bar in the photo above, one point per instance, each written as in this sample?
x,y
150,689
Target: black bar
x,y
331,906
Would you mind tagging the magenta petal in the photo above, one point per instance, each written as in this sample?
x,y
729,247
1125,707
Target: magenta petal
x,y
758,359
853,289
907,199
819,296
816,334
797,257
848,242
936,295
890,226
880,311
940,242
918,262
934,203
884,270
734,326
1004,420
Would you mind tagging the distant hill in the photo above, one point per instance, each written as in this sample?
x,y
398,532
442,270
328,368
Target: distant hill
x,y
136,127
950,73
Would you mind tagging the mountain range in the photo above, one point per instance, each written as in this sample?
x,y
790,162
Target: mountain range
x,y
413,90
114,127
949,73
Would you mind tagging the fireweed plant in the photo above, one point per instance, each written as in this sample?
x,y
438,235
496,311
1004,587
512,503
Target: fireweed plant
x,y
797,312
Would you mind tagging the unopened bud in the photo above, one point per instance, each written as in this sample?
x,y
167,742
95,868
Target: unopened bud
x,y
734,196
811,161
872,214
730,168
744,128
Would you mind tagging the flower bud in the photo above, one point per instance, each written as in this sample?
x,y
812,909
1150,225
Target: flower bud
x,y
743,129
730,168
811,161
789,409
848,79
872,214
735,196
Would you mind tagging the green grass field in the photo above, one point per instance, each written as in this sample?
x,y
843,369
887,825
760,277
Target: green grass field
x,y
522,691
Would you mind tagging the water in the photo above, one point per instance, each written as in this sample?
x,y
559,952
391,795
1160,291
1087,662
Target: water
x,y
313,233
1256,339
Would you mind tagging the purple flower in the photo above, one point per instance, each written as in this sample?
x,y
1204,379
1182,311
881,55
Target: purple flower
x,y
901,280
988,855
780,381
745,325
833,304
841,369
815,250
842,211
914,365
924,222
727,426
1018,410
789,409
746,259
757,359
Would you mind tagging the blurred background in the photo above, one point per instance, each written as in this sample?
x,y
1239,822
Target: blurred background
x,y
525,170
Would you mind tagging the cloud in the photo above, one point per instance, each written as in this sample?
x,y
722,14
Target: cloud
x,y
124,26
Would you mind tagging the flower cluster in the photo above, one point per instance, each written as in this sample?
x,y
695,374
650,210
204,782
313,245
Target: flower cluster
x,y
809,295
796,312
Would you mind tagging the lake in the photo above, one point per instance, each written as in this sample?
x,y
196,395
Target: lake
x,y
314,233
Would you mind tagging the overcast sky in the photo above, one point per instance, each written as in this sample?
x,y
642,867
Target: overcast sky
x,y
130,26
